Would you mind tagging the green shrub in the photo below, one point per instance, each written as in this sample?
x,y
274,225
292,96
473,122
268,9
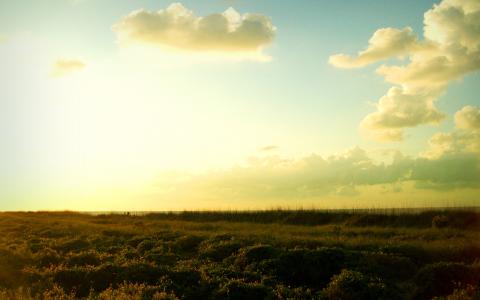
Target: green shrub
x,y
128,253
83,279
74,245
282,292
240,290
188,243
387,266
128,291
134,241
106,275
304,267
418,255
146,245
161,259
36,245
87,258
187,283
469,292
47,257
440,279
72,280
57,293
139,272
440,221
219,251
255,254
11,265
352,285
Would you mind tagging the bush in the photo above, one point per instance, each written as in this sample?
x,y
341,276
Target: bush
x,y
387,266
138,272
469,292
35,245
440,279
188,284
57,293
352,285
161,259
74,245
72,280
47,257
83,279
440,221
130,291
219,251
255,254
240,290
146,245
188,243
303,267
11,264
282,292
134,241
128,253
416,254
90,258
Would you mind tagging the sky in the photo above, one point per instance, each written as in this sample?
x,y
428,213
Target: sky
x,y
230,104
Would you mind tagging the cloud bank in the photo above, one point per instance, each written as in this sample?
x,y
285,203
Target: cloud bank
x,y
271,178
66,66
465,138
449,50
448,169
179,28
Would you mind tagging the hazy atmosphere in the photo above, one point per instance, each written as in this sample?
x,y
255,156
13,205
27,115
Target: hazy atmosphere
x,y
234,104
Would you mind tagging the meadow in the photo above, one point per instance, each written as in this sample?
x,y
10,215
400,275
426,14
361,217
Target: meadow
x,y
274,254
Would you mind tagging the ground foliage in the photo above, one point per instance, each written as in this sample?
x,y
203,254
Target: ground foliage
x,y
276,254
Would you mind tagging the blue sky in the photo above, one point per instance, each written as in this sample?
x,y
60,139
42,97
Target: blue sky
x,y
190,116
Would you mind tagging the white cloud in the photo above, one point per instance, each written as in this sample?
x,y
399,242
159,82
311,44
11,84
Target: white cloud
x,y
271,178
65,66
179,28
450,50
468,118
399,109
384,43
465,138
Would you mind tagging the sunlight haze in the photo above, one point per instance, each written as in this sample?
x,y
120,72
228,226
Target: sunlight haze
x,y
159,105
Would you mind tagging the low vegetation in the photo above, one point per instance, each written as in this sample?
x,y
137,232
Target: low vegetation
x,y
274,254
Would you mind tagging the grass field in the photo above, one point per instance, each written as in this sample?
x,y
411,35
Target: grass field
x,y
276,254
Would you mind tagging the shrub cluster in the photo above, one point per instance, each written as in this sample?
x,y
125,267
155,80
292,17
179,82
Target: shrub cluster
x,y
63,258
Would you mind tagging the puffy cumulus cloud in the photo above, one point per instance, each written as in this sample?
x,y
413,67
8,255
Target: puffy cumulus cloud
x,y
448,171
455,142
177,27
384,43
65,66
449,50
464,139
468,118
399,109
454,23
271,178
